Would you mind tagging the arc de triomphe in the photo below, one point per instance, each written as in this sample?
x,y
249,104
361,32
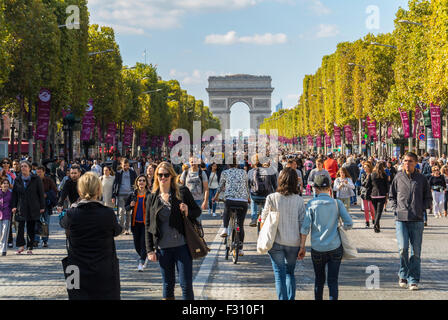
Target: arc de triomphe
x,y
254,91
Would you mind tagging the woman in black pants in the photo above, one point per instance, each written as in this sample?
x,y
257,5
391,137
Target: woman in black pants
x,y
377,190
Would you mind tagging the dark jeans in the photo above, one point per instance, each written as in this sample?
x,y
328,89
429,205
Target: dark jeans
x,y
30,230
138,233
320,260
178,258
378,204
211,195
240,215
445,204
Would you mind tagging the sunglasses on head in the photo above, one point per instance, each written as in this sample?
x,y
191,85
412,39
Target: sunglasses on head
x,y
165,175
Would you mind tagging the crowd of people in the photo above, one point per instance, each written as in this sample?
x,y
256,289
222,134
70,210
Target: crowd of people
x,y
148,198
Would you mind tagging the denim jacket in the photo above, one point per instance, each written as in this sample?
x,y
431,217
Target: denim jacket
x,y
322,218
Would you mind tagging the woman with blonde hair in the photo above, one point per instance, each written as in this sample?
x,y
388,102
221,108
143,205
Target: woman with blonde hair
x,y
91,228
167,205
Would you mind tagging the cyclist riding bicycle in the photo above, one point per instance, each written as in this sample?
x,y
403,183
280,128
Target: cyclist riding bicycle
x,y
262,182
235,183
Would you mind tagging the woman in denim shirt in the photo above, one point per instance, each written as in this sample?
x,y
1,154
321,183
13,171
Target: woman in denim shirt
x,y
322,216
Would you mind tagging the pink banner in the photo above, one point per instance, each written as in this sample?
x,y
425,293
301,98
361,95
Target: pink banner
x,y
337,136
43,116
319,141
327,140
310,141
348,134
128,133
88,122
418,116
435,121
371,125
389,131
405,122
111,133
143,139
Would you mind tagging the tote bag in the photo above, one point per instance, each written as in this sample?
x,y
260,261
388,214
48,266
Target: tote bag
x,y
350,251
268,232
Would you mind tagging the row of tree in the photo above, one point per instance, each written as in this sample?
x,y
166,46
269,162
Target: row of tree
x,y
375,76
50,44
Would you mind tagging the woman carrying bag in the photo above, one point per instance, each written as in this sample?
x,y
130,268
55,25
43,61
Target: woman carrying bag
x,y
290,208
322,218
165,232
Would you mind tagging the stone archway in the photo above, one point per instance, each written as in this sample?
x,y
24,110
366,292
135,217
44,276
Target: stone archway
x,y
254,91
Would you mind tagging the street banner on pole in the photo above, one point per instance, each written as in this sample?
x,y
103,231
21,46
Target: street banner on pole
x,y
405,122
43,117
128,132
435,121
310,141
371,126
418,116
319,141
327,140
111,132
337,136
88,122
143,139
348,134
389,131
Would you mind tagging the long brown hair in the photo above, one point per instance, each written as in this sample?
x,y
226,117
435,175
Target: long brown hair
x,y
287,182
174,186
379,169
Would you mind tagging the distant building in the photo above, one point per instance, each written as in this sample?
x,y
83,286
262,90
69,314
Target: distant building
x,y
279,106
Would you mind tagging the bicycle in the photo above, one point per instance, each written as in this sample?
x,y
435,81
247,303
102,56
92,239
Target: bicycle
x,y
233,243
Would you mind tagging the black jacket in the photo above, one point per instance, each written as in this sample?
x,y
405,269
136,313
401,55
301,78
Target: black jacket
x,y
133,197
154,205
377,186
117,182
91,228
353,169
69,190
28,201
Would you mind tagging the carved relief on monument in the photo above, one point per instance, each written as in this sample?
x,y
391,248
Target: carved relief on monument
x,y
218,104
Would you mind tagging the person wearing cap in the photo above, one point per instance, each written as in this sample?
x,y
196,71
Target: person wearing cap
x,y
321,218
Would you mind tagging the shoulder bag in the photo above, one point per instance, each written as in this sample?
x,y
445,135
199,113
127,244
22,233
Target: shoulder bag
x,y
194,236
268,232
350,251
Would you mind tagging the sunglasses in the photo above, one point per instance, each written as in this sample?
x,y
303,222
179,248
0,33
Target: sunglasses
x,y
141,180
165,175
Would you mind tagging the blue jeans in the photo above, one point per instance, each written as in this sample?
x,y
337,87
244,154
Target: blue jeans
x,y
283,260
254,206
178,258
211,195
320,260
409,232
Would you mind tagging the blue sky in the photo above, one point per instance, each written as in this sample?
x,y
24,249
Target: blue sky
x,y
189,40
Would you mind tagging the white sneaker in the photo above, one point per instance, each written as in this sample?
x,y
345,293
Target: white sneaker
x,y
140,267
214,214
223,232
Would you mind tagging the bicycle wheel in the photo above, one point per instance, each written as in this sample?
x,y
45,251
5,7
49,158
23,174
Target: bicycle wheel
x,y
227,247
235,246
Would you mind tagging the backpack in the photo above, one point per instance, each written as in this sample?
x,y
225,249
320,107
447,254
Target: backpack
x,y
260,186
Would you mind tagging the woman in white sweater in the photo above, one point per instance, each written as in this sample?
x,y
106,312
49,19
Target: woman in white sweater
x,y
344,187
284,252
107,181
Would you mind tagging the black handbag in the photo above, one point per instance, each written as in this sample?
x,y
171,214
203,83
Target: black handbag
x,y
194,236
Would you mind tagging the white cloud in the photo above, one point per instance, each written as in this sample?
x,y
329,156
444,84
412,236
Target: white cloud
x,y
318,7
195,78
232,38
327,31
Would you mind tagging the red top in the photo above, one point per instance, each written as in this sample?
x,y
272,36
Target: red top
x,y
331,166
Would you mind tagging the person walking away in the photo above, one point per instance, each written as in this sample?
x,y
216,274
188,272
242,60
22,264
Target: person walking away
x,y
195,179
377,190
136,204
409,195
107,184
50,195
262,182
353,169
167,205
285,250
5,214
28,203
122,189
343,185
91,227
331,166
369,209
438,186
321,219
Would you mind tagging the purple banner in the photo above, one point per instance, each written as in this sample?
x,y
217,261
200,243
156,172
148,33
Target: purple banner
x,y
143,139
435,121
310,141
389,131
128,133
371,126
418,116
88,122
405,123
43,116
337,136
111,133
319,141
348,134
327,140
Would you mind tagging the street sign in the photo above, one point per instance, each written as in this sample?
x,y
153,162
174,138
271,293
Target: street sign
x,y
422,137
363,142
